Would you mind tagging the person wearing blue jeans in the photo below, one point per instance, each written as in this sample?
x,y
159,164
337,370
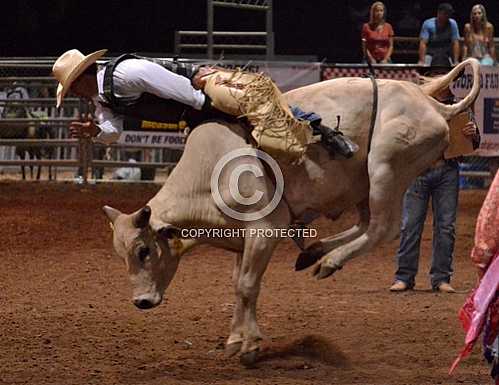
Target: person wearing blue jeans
x,y
441,184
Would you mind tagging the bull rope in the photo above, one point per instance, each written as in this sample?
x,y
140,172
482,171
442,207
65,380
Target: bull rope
x,y
374,112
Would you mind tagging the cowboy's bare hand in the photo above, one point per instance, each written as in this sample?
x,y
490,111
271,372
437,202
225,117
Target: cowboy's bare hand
x,y
469,129
86,129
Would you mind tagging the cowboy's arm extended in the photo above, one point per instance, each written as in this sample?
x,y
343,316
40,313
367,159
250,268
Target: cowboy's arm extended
x,y
109,124
106,128
138,76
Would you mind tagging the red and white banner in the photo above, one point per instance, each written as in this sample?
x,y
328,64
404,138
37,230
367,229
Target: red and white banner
x,y
397,73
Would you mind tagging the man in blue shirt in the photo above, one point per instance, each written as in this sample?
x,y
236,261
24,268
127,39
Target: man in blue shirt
x,y
439,39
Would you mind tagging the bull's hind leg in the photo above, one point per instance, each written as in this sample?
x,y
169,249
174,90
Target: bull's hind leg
x,y
391,167
248,271
385,204
318,249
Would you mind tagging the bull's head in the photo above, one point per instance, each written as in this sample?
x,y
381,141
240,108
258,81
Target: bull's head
x,y
151,263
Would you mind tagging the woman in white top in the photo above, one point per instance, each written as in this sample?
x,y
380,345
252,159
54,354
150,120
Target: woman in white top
x,y
479,37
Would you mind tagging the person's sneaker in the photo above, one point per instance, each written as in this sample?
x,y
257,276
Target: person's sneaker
x,y
400,286
445,287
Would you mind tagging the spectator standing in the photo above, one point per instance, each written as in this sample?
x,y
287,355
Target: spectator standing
x,y
377,36
479,37
480,313
441,184
439,39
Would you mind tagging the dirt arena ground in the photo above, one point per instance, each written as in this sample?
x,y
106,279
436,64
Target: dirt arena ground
x,y
66,315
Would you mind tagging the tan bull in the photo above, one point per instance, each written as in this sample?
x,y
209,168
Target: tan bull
x,y
410,133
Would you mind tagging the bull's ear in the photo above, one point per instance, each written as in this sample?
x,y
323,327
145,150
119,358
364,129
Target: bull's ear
x,y
111,213
141,219
169,232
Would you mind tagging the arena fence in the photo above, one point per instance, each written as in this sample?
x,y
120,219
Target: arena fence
x,y
29,120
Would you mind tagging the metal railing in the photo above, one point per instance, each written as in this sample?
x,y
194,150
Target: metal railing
x,y
74,153
197,40
408,46
243,42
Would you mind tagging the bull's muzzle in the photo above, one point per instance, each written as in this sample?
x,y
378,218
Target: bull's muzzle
x,y
145,302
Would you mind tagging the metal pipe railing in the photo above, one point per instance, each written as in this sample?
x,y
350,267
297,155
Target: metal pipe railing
x,y
37,100
222,33
253,7
41,162
8,121
39,142
226,46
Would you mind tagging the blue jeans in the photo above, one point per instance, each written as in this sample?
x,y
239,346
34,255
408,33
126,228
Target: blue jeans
x,y
442,185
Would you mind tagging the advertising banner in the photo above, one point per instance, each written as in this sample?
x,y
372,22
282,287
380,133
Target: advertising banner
x,y
486,107
163,139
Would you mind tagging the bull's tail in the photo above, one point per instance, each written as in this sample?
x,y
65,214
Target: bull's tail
x,y
433,87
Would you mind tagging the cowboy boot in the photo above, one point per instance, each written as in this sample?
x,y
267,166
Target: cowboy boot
x,y
337,143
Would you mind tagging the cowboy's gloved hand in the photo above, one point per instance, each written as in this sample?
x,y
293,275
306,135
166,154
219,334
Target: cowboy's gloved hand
x,y
86,129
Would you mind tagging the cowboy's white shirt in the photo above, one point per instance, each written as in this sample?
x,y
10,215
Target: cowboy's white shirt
x,y
131,78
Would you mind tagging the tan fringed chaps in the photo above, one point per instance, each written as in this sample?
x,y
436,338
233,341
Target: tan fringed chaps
x,y
256,97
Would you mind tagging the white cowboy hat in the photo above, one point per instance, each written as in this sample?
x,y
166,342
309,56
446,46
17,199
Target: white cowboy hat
x,y
69,66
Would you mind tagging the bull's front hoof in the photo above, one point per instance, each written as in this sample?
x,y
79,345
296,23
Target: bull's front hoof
x,y
233,348
249,359
309,256
323,270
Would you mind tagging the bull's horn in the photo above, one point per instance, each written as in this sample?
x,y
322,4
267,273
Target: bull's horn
x,y
141,219
111,213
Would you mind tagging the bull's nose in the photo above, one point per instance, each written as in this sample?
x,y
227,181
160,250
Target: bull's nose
x,y
143,303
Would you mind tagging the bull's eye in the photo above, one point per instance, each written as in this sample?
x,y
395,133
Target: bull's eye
x,y
143,253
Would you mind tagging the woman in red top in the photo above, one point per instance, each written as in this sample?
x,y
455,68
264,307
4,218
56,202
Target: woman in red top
x,y
377,36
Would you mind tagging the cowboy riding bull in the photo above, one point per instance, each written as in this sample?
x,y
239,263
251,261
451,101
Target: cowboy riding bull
x,y
400,130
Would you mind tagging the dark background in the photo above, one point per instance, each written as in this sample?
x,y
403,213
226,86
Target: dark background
x,y
327,29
